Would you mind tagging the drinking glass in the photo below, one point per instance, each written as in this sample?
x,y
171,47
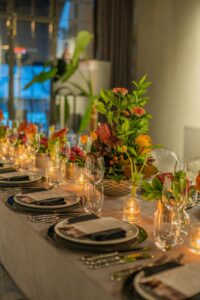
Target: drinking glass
x,y
55,151
93,198
66,151
166,229
94,169
53,174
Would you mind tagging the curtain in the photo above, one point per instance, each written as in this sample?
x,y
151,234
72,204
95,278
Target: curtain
x,y
113,30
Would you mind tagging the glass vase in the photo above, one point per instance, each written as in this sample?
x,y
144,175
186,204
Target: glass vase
x,y
131,208
166,228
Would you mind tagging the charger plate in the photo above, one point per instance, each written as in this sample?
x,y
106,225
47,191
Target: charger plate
x,y
132,232
10,202
33,179
130,292
123,247
70,201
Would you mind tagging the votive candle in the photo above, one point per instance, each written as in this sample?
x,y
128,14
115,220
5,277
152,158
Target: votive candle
x,y
195,238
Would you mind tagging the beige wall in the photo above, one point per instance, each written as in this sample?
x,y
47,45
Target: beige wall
x,y
168,49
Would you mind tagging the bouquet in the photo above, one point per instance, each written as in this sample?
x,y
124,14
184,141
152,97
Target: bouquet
x,y
122,139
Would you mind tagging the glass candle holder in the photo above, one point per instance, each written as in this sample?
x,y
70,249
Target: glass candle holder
x,y
80,177
194,238
131,210
53,174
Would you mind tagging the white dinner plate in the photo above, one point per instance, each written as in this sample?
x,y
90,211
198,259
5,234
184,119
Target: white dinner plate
x,y
140,289
132,232
70,201
33,178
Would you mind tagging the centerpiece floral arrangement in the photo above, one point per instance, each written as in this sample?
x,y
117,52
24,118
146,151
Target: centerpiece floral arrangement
x,y
122,139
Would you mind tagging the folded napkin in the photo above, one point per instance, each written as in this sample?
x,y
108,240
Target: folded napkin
x,y
17,178
107,235
50,202
82,218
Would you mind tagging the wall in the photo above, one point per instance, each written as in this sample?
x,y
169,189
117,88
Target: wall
x,y
168,50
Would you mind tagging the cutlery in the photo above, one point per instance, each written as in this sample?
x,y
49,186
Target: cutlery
x,y
105,255
49,217
121,260
119,275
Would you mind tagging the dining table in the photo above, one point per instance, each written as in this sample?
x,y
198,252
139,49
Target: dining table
x,y
46,270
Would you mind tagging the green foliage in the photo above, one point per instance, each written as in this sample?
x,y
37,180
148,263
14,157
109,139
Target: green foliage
x,y
82,40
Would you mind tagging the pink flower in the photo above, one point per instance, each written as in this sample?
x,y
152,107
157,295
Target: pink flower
x,y
138,111
162,176
120,90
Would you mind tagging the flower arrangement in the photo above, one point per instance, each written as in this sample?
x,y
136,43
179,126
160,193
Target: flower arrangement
x,y
3,128
77,156
123,139
179,186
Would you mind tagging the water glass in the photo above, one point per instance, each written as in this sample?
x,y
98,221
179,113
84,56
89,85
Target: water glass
x,y
93,198
194,238
53,173
94,169
166,229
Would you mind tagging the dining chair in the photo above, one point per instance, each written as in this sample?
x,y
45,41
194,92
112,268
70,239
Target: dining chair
x,y
165,160
193,168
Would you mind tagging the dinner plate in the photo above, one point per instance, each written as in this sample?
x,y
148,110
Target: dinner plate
x,y
33,178
70,200
132,233
6,166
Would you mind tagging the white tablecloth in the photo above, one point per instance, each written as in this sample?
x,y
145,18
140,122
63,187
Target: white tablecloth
x,y
44,271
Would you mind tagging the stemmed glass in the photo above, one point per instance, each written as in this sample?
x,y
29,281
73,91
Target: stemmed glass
x,y
11,137
65,156
94,169
93,190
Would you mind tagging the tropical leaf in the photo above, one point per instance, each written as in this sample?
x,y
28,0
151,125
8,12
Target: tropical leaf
x,y
42,77
86,118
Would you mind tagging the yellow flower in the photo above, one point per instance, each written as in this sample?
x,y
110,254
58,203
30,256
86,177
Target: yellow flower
x,y
144,143
93,135
84,139
124,148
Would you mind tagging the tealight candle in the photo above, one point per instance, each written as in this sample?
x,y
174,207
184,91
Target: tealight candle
x,y
131,210
80,177
195,238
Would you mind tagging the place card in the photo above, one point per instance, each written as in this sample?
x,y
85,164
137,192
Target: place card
x,y
38,196
93,226
182,282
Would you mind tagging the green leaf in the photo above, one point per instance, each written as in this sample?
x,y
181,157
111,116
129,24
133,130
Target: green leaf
x,y
156,184
132,151
100,107
42,77
147,186
110,116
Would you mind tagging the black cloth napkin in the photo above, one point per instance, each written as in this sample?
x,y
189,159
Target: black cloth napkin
x,y
17,178
1,165
107,235
9,170
50,202
82,218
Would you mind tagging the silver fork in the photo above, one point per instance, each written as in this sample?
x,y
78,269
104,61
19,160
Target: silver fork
x,y
119,275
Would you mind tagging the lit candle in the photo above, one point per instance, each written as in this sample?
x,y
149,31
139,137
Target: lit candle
x,y
195,238
131,210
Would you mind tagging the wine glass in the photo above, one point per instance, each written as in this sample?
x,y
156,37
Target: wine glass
x,y
94,169
66,151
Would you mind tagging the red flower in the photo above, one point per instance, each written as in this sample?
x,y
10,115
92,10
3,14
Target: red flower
x,y
105,135
1,115
44,142
162,176
120,90
77,151
59,134
138,111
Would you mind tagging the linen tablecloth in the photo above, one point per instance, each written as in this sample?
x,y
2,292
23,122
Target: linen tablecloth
x,y
45,271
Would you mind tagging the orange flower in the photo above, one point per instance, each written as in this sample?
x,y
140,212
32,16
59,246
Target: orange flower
x,y
84,139
93,135
120,90
126,113
1,115
31,129
138,111
59,134
144,142
22,126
